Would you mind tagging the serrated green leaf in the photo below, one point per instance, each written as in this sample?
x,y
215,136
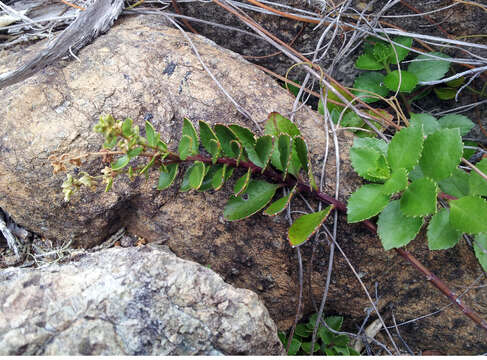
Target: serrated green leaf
x,y
263,147
441,235
294,347
306,225
365,202
325,335
477,184
185,147
277,124
405,148
225,136
196,175
256,196
120,163
135,152
430,124
381,51
408,81
279,205
241,184
441,153
302,330
372,82
150,134
396,230
396,183
452,121
377,144
445,93
428,69
166,178
419,199
469,214
369,163
457,184
306,346
480,248
127,127
284,147
400,51
206,135
189,130
368,62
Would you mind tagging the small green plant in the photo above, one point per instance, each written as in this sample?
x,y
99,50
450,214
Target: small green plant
x,y
328,343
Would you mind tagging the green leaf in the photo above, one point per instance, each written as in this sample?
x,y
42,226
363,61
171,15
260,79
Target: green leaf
x,y
307,347
120,163
185,147
302,152
134,152
457,184
127,127
210,172
237,150
247,139
330,352
325,335
368,62
150,134
341,340
189,130
396,230
196,175
214,150
284,147
279,205
445,93
396,183
206,136
430,124
416,173
302,330
428,69
456,82
263,148
350,119
225,136
372,82
408,81
441,235
219,177
441,153
306,225
405,148
369,163
343,350
478,185
185,186
294,347
282,337
334,322
381,51
147,166
277,124
377,144
167,176
469,214
480,248
401,52
367,201
241,184
452,121
419,199
256,196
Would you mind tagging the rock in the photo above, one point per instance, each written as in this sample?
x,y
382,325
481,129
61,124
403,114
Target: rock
x,y
134,301
141,68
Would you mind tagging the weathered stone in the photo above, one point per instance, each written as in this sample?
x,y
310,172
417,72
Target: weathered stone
x,y
135,301
139,68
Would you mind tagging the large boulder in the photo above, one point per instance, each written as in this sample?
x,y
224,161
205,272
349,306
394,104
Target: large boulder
x,y
143,69
133,301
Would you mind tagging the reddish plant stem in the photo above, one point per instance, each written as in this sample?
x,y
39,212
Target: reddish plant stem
x,y
302,187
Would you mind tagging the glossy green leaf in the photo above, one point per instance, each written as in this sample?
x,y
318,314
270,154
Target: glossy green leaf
x,y
430,124
127,127
247,139
255,197
395,229
457,184
427,68
365,202
120,163
302,152
185,147
185,186
284,147
469,214
441,235
279,205
167,176
206,136
405,148
294,347
407,81
263,147
396,183
225,136
419,199
368,62
210,172
306,225
241,184
214,150
306,346
477,184
372,82
441,153
219,177
189,130
400,51
196,175
277,124
150,134
445,93
480,248
452,121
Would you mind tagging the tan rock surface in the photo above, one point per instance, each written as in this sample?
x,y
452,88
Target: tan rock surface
x,y
142,67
